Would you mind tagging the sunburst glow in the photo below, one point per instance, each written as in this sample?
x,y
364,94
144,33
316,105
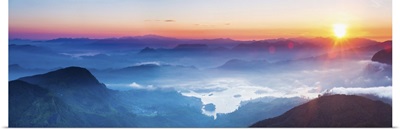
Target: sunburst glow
x,y
340,30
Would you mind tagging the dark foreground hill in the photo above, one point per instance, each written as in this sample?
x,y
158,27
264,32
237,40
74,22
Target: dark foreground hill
x,y
334,111
383,56
73,97
70,97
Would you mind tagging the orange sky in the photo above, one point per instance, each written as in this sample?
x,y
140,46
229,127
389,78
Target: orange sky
x,y
236,19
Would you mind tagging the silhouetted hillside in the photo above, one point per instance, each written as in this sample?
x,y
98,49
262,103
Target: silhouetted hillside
x,y
15,67
191,47
334,111
29,49
33,106
67,77
383,56
70,97
255,110
77,86
73,97
236,64
71,40
147,50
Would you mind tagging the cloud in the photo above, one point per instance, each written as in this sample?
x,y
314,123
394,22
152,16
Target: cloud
x,y
208,90
237,96
381,91
134,85
169,20
138,86
367,62
78,55
260,92
237,90
149,63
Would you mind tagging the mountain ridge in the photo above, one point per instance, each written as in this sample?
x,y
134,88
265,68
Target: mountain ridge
x,y
77,75
347,111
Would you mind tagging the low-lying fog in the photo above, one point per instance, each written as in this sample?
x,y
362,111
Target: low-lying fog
x,y
225,79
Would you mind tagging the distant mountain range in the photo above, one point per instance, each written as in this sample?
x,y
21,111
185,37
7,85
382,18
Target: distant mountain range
x,y
123,51
128,43
334,111
236,64
155,41
29,49
382,52
272,50
17,71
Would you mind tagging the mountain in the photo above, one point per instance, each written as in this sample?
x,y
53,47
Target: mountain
x,y
192,50
73,97
302,44
35,56
147,50
374,47
383,61
71,78
152,41
152,36
71,40
70,97
383,56
191,47
17,71
15,67
334,111
76,86
33,106
19,41
297,60
258,109
380,69
13,48
237,64
278,45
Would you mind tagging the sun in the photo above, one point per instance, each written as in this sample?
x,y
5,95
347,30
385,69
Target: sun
x,y
340,30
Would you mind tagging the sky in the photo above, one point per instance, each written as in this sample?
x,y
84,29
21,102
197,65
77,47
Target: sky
x,y
235,19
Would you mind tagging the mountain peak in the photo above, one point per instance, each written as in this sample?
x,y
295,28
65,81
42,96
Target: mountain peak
x,y
191,46
66,77
14,67
334,111
383,56
147,50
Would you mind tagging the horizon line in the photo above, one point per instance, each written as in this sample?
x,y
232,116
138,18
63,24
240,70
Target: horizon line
x,y
178,38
